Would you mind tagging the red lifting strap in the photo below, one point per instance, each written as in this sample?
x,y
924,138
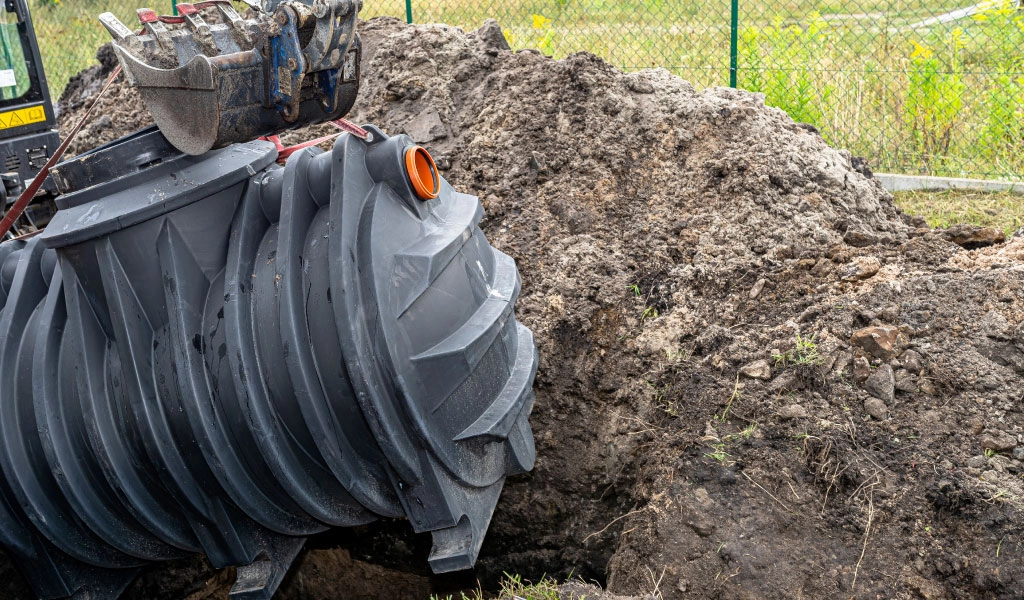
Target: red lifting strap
x,y
147,15
185,9
283,152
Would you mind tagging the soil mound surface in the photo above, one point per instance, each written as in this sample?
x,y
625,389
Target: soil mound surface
x,y
758,379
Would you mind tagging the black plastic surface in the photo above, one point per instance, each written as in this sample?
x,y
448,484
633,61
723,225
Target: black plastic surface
x,y
216,354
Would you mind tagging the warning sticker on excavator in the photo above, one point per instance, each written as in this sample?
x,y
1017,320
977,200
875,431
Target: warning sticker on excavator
x,y
22,116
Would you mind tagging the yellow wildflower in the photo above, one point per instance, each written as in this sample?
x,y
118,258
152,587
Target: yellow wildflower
x,y
921,51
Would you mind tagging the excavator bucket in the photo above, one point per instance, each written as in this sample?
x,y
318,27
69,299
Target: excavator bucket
x,y
211,78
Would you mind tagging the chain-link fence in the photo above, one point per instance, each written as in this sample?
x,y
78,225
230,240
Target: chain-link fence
x,y
69,32
931,87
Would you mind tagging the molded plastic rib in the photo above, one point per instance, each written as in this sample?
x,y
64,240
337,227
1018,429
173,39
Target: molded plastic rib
x,y
215,354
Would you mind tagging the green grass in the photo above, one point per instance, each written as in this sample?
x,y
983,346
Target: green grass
x,y
941,209
804,354
69,32
514,587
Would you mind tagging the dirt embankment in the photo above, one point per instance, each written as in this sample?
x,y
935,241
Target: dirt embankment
x,y
758,378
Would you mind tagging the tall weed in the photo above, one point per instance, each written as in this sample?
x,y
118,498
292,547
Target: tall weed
x,y
934,98
784,61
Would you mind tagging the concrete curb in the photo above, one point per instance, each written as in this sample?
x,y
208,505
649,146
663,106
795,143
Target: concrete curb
x,y
907,183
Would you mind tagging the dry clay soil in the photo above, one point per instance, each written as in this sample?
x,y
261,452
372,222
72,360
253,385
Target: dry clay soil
x,y
758,378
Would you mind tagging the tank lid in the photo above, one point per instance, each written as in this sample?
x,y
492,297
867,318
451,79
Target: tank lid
x,y
139,178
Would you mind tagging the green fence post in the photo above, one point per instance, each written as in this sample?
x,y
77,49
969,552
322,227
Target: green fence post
x,y
174,7
408,11
734,50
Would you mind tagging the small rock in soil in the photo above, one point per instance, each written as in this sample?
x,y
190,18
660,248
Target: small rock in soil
x,y
756,290
876,408
638,83
859,239
972,237
788,380
1000,463
977,462
882,384
793,411
994,325
759,369
809,314
426,127
879,342
862,267
913,362
928,387
842,360
102,123
861,369
998,441
905,381
492,38
702,527
822,268
1018,453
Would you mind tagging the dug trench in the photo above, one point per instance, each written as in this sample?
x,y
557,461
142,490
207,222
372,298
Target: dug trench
x,y
758,378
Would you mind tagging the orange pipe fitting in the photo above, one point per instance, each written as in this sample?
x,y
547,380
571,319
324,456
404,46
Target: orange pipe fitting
x,y
422,173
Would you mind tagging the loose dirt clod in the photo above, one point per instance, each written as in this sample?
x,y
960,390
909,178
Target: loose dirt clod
x,y
667,239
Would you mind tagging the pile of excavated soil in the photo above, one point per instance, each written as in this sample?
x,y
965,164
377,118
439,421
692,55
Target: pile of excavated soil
x,y
758,378
120,110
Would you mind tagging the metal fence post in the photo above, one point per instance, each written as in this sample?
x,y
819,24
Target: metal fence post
x,y
174,7
408,11
734,42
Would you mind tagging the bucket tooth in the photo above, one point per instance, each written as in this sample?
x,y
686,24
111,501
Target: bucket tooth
x,y
151,23
194,20
117,30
